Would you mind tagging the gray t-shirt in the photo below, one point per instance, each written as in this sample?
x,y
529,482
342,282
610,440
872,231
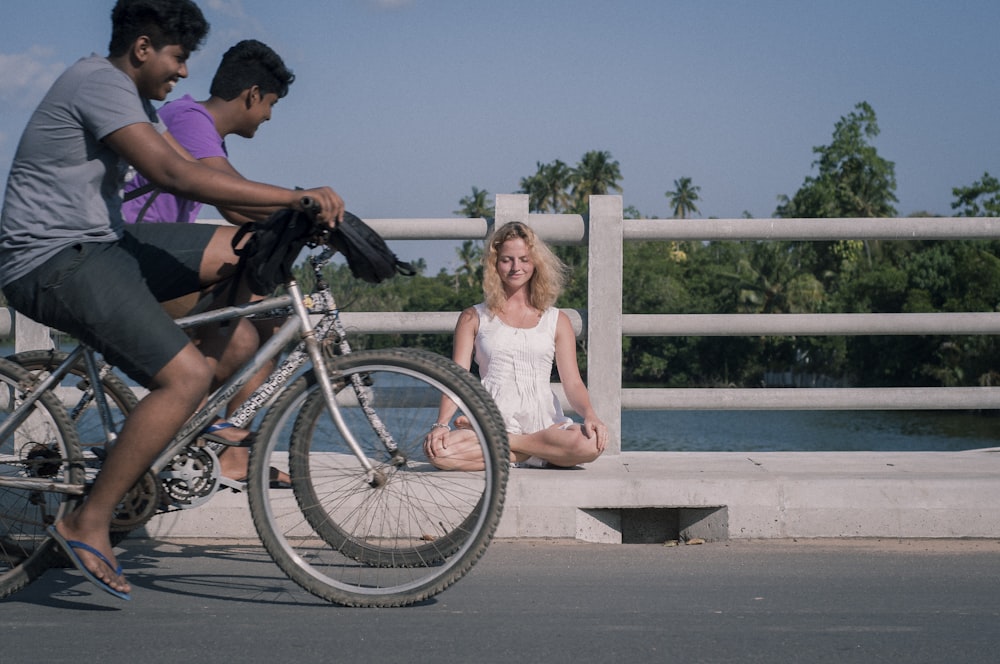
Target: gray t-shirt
x,y
64,184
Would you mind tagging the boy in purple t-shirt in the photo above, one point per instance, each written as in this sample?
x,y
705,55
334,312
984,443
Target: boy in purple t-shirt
x,y
194,128
248,83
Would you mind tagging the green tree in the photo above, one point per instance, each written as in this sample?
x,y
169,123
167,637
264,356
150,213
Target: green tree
x,y
548,188
981,199
470,256
534,187
770,278
683,198
853,180
475,205
595,175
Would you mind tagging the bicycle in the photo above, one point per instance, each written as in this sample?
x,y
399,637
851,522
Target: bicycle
x,y
369,521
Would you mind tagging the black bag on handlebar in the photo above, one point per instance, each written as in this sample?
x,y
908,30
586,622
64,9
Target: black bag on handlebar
x,y
267,257
367,254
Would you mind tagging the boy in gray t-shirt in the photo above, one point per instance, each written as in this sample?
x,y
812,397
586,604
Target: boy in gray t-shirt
x,y
66,262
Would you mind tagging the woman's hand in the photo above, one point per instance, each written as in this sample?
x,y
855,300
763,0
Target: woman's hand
x,y
436,440
596,429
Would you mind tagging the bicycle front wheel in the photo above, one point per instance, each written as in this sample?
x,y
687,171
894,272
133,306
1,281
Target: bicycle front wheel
x,y
404,531
40,463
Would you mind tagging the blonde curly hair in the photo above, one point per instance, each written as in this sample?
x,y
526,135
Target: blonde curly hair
x,y
547,281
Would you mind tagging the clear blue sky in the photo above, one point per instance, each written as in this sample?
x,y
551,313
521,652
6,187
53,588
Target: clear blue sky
x,y
404,105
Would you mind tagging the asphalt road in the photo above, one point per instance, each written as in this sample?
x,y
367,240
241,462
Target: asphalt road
x,y
538,601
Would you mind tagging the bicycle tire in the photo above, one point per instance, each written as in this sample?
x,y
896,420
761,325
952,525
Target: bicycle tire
x,y
44,445
406,540
363,549
78,396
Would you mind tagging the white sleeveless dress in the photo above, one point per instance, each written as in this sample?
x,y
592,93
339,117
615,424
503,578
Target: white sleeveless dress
x,y
515,366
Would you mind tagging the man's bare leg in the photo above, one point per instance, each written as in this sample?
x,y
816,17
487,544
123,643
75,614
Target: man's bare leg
x,y
175,394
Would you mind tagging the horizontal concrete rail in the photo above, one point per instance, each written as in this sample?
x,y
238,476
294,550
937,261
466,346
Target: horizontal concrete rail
x,y
813,398
416,322
729,325
908,228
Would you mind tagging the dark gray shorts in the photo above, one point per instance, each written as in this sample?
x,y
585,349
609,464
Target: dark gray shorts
x,y
108,294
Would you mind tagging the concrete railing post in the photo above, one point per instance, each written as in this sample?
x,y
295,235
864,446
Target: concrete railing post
x,y
510,207
604,313
29,335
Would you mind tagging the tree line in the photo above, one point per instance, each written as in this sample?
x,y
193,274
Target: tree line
x,y
849,179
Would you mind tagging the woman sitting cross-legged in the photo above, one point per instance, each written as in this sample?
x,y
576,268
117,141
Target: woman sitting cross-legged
x,y
514,336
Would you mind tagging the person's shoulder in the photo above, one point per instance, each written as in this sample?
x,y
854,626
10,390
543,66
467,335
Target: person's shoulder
x,y
560,321
180,107
94,69
94,62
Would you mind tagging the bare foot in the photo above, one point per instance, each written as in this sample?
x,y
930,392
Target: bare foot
x,y
92,554
234,464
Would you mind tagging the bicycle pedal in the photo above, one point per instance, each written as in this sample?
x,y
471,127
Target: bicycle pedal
x,y
233,485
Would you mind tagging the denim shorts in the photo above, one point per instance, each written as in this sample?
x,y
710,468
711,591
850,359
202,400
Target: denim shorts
x,y
108,294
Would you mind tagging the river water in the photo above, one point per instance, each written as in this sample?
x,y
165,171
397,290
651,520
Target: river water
x,y
812,431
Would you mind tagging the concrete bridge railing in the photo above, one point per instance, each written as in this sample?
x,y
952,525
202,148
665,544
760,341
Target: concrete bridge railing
x,y
602,324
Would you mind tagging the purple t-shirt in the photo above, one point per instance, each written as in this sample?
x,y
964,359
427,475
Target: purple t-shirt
x,y
194,128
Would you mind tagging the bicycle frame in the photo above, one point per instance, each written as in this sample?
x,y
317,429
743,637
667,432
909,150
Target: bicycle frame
x,y
307,350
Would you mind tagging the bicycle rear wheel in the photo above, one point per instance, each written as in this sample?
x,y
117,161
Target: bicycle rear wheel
x,y
79,398
78,395
416,531
44,447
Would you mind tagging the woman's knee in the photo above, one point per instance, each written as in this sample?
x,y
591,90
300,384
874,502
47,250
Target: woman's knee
x,y
584,449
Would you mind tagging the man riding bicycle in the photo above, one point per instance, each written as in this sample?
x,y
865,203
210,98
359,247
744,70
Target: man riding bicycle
x,y
66,261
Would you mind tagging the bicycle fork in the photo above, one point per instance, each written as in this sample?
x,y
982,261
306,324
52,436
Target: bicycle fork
x,y
375,478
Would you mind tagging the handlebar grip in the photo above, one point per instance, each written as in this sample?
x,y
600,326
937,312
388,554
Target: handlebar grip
x,y
309,205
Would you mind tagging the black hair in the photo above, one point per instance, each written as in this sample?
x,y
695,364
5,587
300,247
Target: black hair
x,y
247,64
165,22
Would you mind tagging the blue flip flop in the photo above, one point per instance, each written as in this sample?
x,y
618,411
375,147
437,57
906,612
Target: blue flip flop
x,y
69,547
209,433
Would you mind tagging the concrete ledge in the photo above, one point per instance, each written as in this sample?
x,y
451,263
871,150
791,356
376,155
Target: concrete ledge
x,y
654,496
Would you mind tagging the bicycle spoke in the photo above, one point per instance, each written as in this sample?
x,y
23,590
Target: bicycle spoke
x,y
36,454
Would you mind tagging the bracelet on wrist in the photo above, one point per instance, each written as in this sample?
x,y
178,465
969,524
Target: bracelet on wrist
x,y
440,425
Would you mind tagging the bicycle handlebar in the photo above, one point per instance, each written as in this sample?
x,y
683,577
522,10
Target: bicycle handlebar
x,y
310,206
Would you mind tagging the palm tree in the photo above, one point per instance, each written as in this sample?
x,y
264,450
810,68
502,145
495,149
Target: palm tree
x,y
556,179
534,187
770,278
548,188
475,205
595,175
683,197
470,257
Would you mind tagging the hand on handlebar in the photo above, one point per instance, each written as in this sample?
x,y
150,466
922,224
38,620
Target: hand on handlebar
x,y
323,203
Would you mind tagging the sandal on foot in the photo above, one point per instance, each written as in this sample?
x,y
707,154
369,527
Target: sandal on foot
x,y
238,486
209,433
69,547
276,481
